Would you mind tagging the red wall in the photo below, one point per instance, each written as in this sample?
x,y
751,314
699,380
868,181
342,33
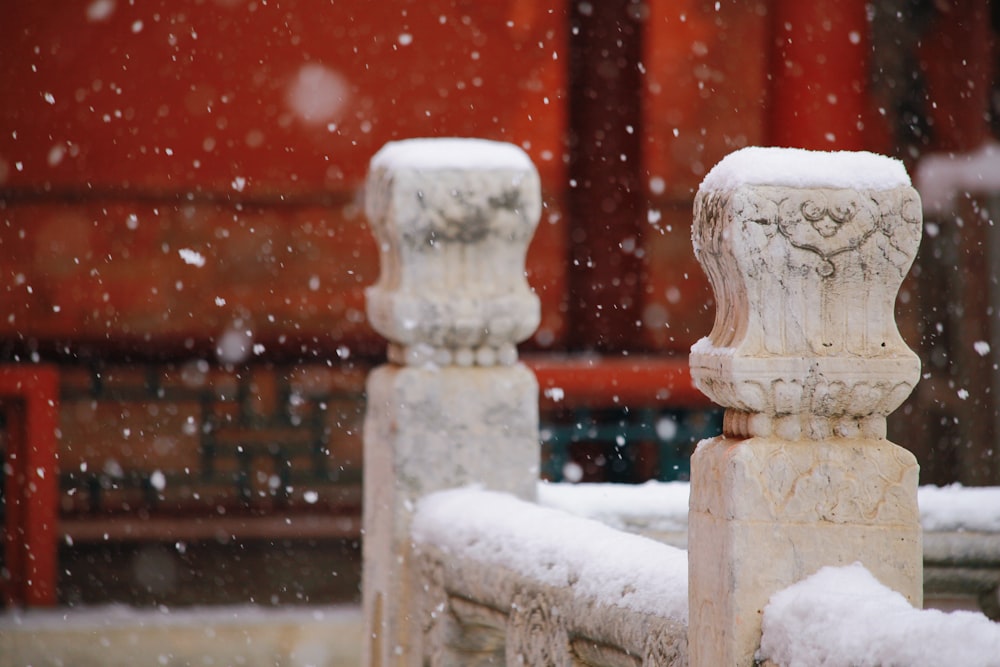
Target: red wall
x,y
242,130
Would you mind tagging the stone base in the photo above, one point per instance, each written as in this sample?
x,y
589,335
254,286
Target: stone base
x,y
766,513
429,429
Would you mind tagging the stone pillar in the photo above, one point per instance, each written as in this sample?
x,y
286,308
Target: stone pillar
x,y
453,218
805,252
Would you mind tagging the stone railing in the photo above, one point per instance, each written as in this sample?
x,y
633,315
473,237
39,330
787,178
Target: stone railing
x,y
805,252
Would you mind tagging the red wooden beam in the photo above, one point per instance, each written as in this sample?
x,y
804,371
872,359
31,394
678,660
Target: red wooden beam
x,y
29,395
616,382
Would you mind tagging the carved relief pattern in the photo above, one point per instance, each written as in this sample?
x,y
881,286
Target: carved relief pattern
x,y
662,649
792,488
434,603
452,243
588,653
467,622
535,633
482,208
827,224
805,274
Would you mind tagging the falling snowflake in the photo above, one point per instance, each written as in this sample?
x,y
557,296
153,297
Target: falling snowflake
x,y
555,393
192,257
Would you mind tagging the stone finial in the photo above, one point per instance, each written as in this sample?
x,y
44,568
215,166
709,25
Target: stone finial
x,y
805,252
453,218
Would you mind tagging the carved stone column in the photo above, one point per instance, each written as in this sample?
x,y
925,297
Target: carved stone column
x,y
453,218
805,252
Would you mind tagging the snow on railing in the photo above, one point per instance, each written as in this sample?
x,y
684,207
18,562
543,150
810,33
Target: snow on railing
x,y
523,584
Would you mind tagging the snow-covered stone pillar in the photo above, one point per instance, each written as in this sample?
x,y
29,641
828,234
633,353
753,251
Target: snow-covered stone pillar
x,y
453,218
805,252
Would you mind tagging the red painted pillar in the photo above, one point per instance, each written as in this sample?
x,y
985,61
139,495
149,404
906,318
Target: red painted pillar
x,y
14,508
606,197
956,57
31,473
819,68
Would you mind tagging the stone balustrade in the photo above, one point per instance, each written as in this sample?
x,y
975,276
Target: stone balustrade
x,y
805,252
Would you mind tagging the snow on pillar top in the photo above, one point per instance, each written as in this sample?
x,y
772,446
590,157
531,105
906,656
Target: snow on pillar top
x,y
805,252
798,168
453,218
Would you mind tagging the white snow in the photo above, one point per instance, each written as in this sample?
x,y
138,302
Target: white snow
x,y
100,10
941,178
618,505
447,153
56,154
556,548
704,346
663,506
234,345
798,168
158,480
120,636
555,393
318,94
957,507
192,257
844,616
86,617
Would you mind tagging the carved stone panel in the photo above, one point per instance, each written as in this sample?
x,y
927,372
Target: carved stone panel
x,y
536,634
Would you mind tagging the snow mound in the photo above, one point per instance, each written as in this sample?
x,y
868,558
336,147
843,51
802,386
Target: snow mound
x,y
941,178
845,617
659,505
556,549
798,168
449,153
957,507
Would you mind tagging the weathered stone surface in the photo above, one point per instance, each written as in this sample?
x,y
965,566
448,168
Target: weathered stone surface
x,y
805,341
768,513
807,360
453,218
426,430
